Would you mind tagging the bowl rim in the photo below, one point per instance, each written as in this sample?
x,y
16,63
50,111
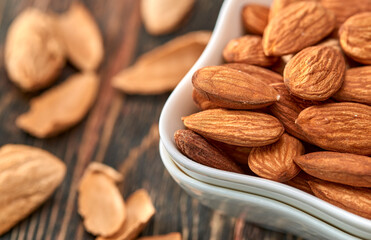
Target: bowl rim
x,y
349,218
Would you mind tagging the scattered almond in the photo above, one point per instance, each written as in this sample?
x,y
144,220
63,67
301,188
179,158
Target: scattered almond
x,y
315,73
100,202
82,38
247,49
355,37
255,18
200,150
61,107
139,211
353,199
241,128
276,161
299,25
164,16
169,236
345,168
342,127
230,88
28,176
34,55
161,69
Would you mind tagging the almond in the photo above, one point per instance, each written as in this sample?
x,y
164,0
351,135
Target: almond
x,y
230,88
34,54
353,199
345,168
237,153
355,37
84,46
169,236
202,101
287,109
262,74
247,49
356,86
28,176
300,181
255,18
164,16
300,25
315,73
241,128
139,211
278,5
276,161
342,127
61,107
199,150
161,69
100,202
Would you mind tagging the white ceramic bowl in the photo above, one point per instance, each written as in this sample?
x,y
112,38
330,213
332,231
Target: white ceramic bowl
x,y
180,104
253,208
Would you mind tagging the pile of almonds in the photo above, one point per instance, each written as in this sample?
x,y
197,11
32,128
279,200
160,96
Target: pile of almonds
x,y
304,119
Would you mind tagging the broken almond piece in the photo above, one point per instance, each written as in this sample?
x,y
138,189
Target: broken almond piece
x,y
139,210
84,46
164,16
100,202
169,236
60,107
161,69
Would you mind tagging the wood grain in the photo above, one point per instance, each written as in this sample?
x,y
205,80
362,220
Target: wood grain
x,y
121,131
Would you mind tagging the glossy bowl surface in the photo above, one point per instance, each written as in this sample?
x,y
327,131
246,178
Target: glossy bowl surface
x,y
180,104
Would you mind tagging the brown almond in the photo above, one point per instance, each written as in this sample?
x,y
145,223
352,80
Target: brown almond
x,y
230,88
164,16
299,25
278,5
300,181
255,18
237,153
315,73
202,101
139,211
276,161
287,110
356,86
247,49
100,202
353,199
241,128
28,176
84,46
34,54
61,107
345,168
200,150
169,236
341,127
355,37
262,74
161,69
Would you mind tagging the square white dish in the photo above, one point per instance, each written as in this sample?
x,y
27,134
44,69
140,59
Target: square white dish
x,y
180,104
253,208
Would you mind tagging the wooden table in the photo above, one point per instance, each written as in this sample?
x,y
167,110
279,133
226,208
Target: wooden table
x,y
120,130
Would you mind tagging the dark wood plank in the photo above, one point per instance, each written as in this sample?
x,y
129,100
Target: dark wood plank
x,y
121,131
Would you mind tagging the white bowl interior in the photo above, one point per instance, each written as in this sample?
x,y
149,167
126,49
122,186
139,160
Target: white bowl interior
x,y
180,104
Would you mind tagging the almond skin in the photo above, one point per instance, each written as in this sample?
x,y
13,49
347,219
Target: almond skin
x,y
353,199
230,88
355,37
315,73
255,18
199,150
345,168
300,25
261,73
247,49
341,127
276,161
241,128
356,86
